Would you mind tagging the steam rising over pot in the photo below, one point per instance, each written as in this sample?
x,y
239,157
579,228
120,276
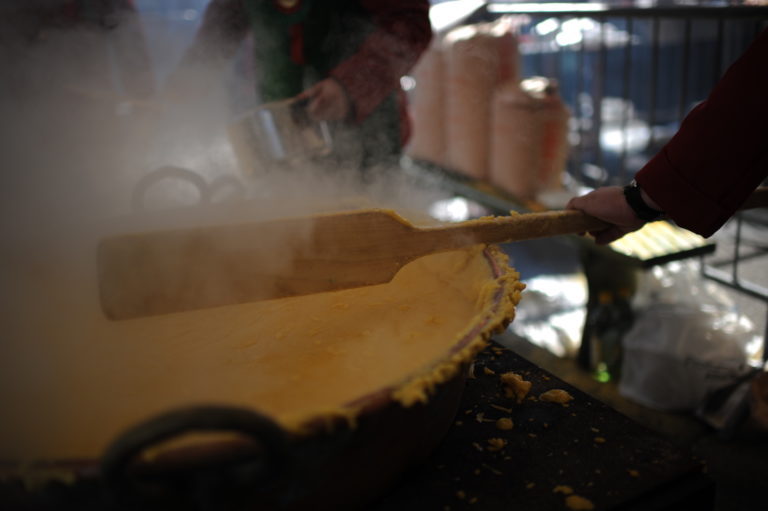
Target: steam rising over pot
x,y
365,378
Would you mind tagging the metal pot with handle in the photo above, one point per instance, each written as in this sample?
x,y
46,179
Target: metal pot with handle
x,y
280,133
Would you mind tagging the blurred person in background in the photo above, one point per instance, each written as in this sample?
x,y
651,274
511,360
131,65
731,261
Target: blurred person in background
x,y
345,58
706,172
72,70
91,50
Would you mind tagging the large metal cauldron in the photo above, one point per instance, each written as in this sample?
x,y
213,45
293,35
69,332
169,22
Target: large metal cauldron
x,y
335,463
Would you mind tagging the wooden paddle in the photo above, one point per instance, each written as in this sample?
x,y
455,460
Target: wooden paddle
x,y
173,271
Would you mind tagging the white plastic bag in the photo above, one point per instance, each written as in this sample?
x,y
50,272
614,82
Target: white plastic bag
x,y
687,340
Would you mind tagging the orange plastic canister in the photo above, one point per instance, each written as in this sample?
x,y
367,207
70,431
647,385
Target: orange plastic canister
x,y
478,59
529,137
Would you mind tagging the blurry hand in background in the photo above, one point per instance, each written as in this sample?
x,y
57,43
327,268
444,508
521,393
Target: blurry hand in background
x,y
328,101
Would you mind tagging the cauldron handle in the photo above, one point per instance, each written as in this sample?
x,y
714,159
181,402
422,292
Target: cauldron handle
x,y
203,485
168,172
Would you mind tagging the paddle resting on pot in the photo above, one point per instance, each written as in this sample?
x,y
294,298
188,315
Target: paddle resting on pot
x,y
173,271
177,270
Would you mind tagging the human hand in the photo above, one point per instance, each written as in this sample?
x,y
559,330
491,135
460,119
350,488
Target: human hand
x,y
608,203
328,101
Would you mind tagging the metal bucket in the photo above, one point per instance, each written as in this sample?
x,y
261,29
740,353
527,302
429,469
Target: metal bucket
x,y
280,132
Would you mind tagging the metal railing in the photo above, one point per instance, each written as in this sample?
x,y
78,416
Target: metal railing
x,y
729,270
629,75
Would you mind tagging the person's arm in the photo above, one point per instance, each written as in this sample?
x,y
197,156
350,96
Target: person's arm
x,y
225,24
720,153
132,54
712,164
403,31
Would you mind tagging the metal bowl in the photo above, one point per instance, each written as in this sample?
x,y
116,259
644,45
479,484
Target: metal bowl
x,y
281,132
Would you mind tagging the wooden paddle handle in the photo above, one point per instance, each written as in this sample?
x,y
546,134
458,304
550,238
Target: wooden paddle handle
x,y
503,229
573,221
553,223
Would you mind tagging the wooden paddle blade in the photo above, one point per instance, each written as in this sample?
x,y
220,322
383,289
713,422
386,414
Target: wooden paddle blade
x,y
173,271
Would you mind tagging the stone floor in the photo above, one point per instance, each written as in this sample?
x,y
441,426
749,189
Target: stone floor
x,y
739,465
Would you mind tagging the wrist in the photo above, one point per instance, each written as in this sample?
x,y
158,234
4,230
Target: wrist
x,y
642,205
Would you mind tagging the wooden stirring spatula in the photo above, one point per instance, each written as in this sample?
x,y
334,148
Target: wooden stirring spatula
x,y
173,271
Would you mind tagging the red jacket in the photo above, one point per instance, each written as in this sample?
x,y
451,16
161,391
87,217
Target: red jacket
x,y
368,76
720,153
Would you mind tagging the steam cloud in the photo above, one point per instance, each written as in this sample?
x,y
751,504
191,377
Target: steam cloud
x,y
80,142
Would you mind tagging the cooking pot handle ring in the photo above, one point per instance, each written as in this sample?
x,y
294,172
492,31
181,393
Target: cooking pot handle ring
x,y
168,172
208,481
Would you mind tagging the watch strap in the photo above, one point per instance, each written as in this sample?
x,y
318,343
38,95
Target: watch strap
x,y
638,205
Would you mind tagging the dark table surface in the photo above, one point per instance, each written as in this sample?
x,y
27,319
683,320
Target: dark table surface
x,y
584,448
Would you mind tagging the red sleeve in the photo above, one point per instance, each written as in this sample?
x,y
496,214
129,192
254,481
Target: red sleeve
x,y
225,24
720,153
402,33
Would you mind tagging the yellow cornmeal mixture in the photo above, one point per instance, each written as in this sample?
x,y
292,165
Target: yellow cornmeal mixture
x,y
578,503
70,380
556,396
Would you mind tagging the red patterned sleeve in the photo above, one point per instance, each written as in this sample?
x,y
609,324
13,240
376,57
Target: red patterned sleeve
x,y
402,33
720,153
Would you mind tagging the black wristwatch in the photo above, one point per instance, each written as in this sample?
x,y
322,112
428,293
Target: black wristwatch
x,y
638,205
